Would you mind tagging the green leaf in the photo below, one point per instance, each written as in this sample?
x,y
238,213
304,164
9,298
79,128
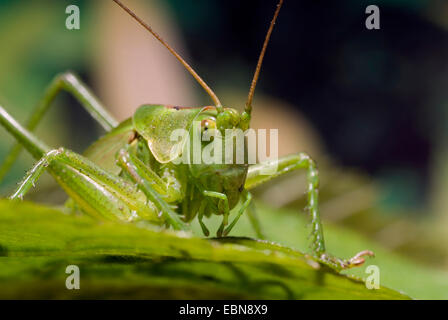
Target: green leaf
x,y
129,261
291,228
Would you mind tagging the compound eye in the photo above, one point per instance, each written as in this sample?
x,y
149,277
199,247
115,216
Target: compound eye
x,y
207,124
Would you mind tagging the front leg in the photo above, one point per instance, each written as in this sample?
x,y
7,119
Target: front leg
x,y
225,215
140,174
223,231
246,202
281,166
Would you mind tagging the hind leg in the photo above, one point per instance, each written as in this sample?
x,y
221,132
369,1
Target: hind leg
x,y
70,83
96,191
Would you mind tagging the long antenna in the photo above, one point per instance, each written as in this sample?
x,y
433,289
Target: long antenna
x,y
248,108
174,53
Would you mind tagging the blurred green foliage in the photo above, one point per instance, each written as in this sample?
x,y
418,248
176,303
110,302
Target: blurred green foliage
x,y
35,47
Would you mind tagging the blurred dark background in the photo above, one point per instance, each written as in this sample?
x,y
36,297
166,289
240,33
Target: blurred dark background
x,y
377,97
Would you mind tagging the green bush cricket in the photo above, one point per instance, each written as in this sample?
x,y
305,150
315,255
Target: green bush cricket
x,y
130,175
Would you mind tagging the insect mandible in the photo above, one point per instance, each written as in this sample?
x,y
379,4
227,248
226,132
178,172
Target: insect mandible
x,y
130,174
